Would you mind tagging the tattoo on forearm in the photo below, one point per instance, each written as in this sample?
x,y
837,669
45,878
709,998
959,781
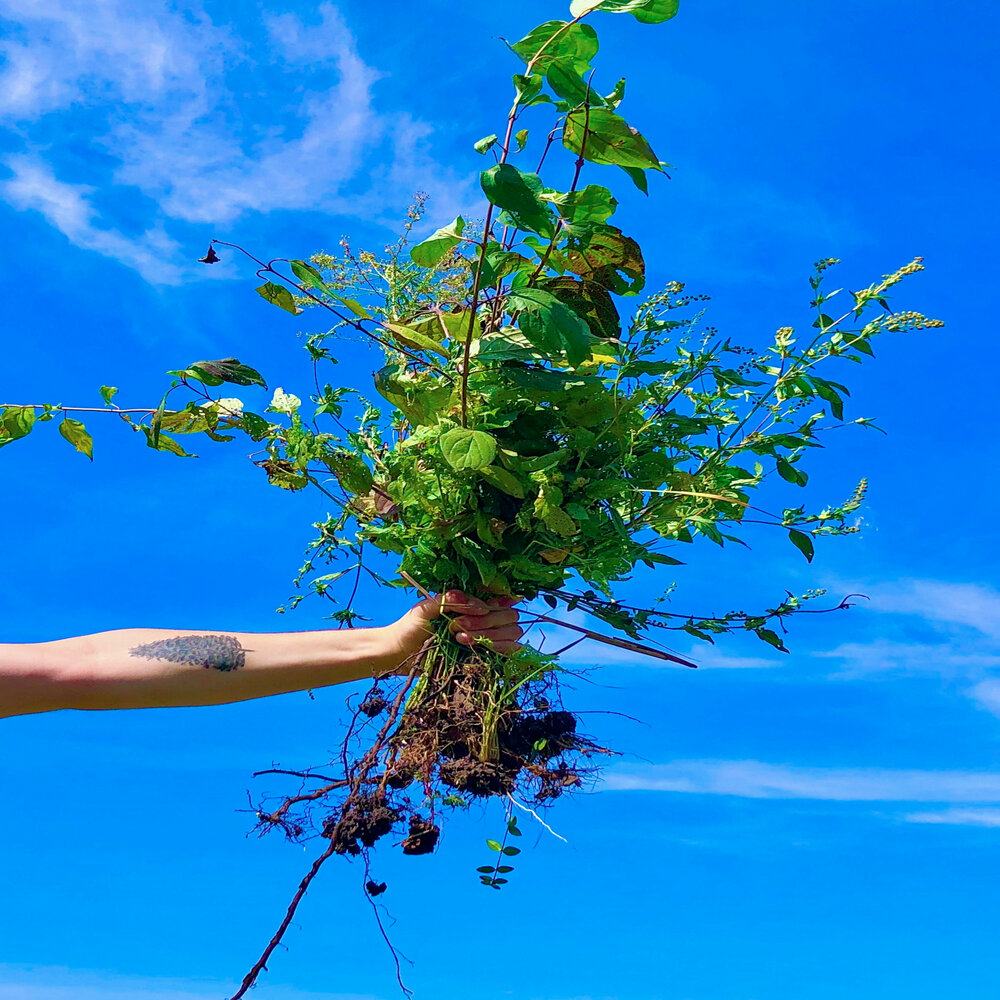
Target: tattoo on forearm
x,y
216,652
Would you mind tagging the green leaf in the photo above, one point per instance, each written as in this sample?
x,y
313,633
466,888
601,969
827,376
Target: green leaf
x,y
566,81
504,869
522,139
162,442
503,480
529,89
308,275
511,851
225,370
74,432
351,471
803,543
414,338
432,250
278,295
771,638
16,422
647,11
517,194
602,136
790,473
512,827
590,301
639,178
494,845
592,204
108,392
486,869
468,449
549,324
486,144
558,40
604,256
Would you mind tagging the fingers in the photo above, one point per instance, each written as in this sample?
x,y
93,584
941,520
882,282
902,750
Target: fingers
x,y
494,622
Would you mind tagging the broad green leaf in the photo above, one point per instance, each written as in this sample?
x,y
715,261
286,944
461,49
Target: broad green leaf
x,y
591,204
225,370
564,79
558,40
790,473
639,178
590,301
278,295
803,543
308,275
486,143
351,471
517,194
108,393
647,11
771,638
432,250
602,136
528,88
468,449
356,308
414,338
74,432
16,422
550,324
601,255
503,480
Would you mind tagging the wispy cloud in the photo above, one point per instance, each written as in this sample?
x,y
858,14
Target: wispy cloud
x,y
758,780
958,817
192,123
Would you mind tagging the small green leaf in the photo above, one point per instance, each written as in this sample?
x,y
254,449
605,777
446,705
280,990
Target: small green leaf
x,y
511,851
494,845
487,869
512,827
803,543
279,296
504,869
486,143
522,139
771,638
108,392
74,432
163,442
351,471
468,449
16,422
431,251
550,324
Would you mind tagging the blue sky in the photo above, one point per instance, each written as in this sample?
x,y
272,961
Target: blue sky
x,y
807,826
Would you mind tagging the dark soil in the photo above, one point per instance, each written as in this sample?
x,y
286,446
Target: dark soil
x,y
365,818
373,705
476,777
423,836
375,888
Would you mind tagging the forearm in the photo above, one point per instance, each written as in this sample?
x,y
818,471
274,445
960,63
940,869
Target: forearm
x,y
160,668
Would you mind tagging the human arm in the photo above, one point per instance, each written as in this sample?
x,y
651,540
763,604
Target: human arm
x,y
162,668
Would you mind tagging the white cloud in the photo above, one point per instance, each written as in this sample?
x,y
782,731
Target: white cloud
x,y
987,693
945,604
757,780
67,207
197,124
958,817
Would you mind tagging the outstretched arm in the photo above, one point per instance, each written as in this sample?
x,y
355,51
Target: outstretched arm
x,y
161,668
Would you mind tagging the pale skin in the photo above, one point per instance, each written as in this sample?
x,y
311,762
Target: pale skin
x,y
172,668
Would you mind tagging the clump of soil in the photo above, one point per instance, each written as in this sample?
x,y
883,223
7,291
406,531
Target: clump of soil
x,y
364,819
375,888
476,777
373,705
541,736
423,836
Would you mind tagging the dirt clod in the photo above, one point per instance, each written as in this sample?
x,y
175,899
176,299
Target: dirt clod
x,y
375,888
423,836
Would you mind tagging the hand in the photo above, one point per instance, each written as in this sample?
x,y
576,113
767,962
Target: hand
x,y
472,621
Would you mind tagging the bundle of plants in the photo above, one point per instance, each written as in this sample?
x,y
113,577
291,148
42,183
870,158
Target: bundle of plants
x,y
540,429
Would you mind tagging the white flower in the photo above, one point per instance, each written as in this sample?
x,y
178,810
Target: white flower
x,y
284,402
